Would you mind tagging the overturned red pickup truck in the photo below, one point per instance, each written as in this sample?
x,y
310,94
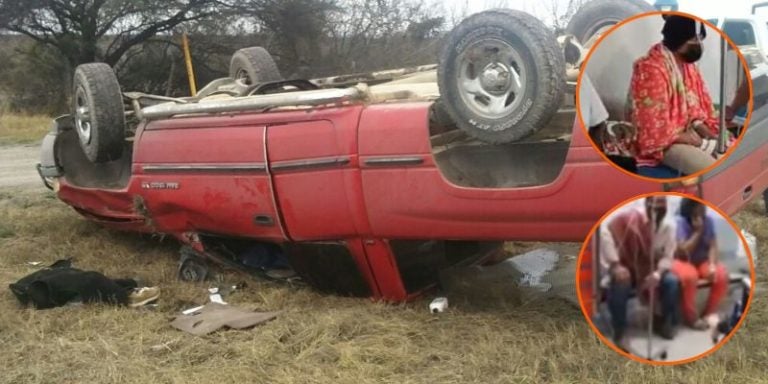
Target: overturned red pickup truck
x,y
370,183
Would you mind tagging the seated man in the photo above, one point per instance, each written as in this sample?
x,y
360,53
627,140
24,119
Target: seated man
x,y
696,258
637,248
614,139
669,102
739,103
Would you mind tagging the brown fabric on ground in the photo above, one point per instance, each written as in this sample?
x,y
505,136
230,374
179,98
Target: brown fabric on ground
x,y
214,316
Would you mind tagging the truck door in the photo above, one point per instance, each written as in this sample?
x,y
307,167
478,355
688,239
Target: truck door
x,y
314,168
206,174
743,176
408,196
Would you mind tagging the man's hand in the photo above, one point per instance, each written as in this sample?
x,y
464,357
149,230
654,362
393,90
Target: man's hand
x,y
597,134
702,130
689,137
652,280
697,223
711,271
620,274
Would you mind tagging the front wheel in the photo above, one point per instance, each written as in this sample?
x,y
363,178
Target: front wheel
x,y
501,75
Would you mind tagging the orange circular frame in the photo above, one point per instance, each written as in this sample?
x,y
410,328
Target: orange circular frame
x,y
653,362
733,46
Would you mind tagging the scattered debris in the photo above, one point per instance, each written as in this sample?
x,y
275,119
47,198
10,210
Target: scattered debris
x,y
534,265
163,346
216,298
751,243
214,316
192,310
438,305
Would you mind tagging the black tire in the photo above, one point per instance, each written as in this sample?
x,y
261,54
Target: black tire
x,y
254,65
193,270
99,113
597,14
539,62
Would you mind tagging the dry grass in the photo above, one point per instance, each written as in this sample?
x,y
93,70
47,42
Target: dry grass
x,y
319,338
22,129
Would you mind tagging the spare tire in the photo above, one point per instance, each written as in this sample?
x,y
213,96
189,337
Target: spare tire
x,y
253,65
598,15
501,75
98,111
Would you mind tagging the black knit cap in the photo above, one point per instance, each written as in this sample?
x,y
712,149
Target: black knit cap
x,y
679,29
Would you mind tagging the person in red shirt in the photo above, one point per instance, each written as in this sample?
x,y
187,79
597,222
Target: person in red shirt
x,y
669,103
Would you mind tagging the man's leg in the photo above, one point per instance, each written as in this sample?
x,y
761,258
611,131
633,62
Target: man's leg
x,y
128,284
669,292
618,296
719,287
96,287
688,277
687,158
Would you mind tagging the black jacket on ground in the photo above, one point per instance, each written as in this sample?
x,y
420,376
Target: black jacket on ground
x,y
60,284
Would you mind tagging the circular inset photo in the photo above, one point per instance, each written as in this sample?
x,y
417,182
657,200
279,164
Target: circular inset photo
x,y
665,278
664,96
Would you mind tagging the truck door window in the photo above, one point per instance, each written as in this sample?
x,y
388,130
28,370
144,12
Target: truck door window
x,y
741,32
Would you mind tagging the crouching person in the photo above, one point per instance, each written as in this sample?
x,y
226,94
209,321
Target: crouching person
x,y
697,258
637,248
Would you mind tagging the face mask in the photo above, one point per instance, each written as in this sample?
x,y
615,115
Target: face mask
x,y
693,54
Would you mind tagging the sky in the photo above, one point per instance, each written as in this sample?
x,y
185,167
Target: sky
x,y
542,8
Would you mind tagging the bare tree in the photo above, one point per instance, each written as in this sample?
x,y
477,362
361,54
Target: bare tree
x,y
373,34
297,27
561,15
77,28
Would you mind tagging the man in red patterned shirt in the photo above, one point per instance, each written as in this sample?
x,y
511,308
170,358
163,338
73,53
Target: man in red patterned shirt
x,y
676,123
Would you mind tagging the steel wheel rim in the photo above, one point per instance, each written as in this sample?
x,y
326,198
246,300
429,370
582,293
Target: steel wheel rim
x,y
83,116
242,75
492,77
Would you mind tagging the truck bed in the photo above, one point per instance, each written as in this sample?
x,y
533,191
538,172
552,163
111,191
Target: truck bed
x,y
535,160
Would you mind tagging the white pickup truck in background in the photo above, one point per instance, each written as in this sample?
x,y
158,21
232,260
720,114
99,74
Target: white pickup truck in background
x,y
750,34
751,30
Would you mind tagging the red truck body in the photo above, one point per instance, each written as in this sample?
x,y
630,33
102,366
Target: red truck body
x,y
360,178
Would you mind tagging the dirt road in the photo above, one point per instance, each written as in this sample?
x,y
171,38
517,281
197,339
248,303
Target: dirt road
x,y
17,166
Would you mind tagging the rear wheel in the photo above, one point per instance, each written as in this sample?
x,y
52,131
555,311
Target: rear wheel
x,y
501,75
253,65
597,16
98,111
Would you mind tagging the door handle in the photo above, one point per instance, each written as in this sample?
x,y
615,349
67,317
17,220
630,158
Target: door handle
x,y
263,220
747,193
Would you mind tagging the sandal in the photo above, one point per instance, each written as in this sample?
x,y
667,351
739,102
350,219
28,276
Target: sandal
x,y
700,325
